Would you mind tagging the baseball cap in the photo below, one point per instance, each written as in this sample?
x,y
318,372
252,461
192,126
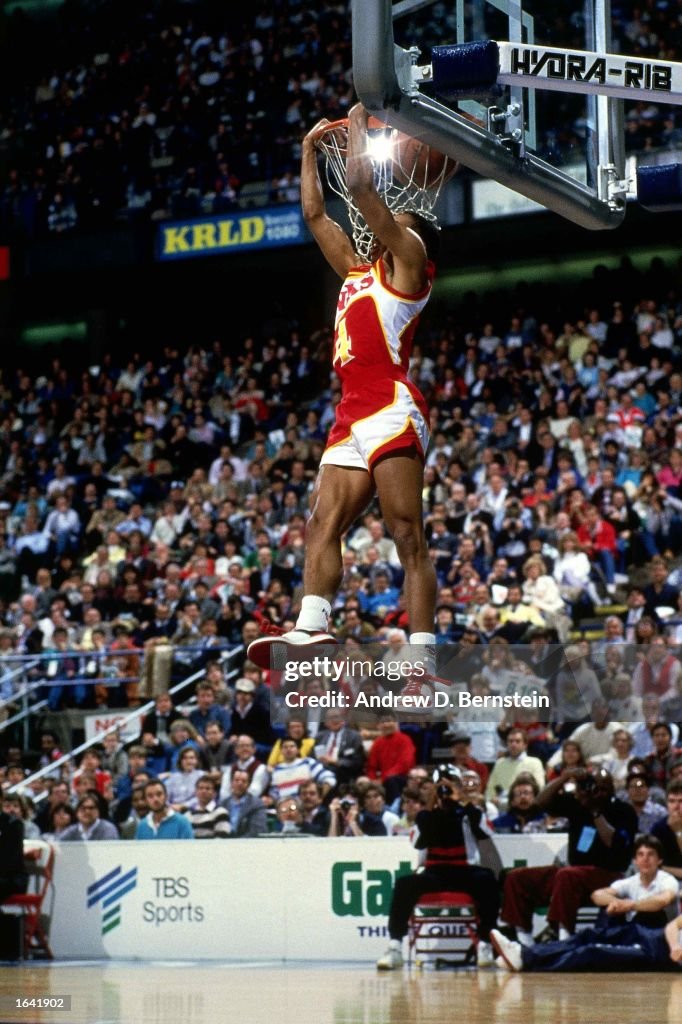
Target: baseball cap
x,y
245,686
457,735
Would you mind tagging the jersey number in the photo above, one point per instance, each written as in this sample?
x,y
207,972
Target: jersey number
x,y
343,348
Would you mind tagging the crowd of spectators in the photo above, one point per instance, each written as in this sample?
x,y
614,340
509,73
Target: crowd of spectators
x,y
161,502
158,110
355,780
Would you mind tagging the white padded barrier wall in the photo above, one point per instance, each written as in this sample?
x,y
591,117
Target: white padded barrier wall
x,y
298,898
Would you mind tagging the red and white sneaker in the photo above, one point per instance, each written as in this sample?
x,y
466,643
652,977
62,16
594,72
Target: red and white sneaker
x,y
416,698
271,652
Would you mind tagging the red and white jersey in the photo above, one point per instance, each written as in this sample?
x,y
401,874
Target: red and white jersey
x,y
381,409
375,326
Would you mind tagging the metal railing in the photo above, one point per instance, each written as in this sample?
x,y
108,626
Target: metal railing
x,y
229,654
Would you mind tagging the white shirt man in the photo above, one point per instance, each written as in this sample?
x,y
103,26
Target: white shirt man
x,y
508,767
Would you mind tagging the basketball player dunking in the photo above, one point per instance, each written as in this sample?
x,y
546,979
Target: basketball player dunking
x,y
380,435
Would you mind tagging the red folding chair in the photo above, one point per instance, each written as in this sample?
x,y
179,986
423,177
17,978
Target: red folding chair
x,y
443,930
39,861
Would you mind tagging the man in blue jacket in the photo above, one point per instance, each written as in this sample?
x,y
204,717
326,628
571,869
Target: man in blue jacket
x,y
162,822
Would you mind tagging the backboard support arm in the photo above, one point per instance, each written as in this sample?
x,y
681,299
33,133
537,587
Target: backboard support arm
x,y
386,83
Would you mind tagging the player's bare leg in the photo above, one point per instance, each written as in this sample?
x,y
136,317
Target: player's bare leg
x,y
340,495
399,481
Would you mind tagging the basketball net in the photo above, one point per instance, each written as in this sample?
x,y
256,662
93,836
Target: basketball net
x,y
414,192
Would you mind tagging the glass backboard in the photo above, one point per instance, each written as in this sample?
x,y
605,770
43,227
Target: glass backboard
x,y
560,148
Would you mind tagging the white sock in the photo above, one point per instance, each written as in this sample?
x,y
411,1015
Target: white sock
x,y
423,639
395,944
564,933
525,938
314,614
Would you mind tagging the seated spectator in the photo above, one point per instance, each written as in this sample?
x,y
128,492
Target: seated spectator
x,y
659,671
623,706
608,654
616,760
522,814
485,737
181,783
137,762
58,792
90,826
577,687
315,815
247,813
541,591
161,822
511,764
208,711
637,795
572,571
340,748
658,593
208,819
183,736
669,830
344,812
391,755
642,741
375,819
61,816
135,810
245,760
296,729
539,736
158,722
293,770
630,939
664,755
459,739
289,813
516,615
601,833
500,666
20,806
250,717
411,802
596,737
598,540
91,764
114,757
473,793
217,752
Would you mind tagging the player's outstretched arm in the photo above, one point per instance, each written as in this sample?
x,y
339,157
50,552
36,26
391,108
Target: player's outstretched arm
x,y
403,242
334,243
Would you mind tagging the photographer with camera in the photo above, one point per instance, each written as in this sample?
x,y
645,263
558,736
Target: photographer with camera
x,y
601,834
368,817
448,831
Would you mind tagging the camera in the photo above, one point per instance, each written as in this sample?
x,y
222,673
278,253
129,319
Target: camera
x,y
449,772
346,805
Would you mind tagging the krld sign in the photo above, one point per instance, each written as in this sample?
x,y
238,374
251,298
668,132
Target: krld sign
x,y
268,228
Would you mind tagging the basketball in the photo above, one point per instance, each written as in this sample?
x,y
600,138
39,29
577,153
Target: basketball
x,y
415,162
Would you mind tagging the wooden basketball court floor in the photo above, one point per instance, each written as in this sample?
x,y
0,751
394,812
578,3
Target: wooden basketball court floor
x,y
115,992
